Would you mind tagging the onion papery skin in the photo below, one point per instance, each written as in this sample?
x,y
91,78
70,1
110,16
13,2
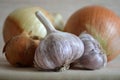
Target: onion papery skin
x,y
24,19
102,23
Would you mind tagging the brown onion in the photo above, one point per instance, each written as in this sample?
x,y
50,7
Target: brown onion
x,y
20,50
101,23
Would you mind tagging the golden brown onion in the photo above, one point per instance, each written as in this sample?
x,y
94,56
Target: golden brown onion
x,y
100,22
20,50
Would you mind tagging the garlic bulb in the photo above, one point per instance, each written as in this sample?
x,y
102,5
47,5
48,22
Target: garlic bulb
x,y
58,49
93,56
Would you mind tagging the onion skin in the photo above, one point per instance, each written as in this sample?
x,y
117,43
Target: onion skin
x,y
20,50
23,19
101,23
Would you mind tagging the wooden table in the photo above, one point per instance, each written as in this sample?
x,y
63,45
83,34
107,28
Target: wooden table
x,y
66,8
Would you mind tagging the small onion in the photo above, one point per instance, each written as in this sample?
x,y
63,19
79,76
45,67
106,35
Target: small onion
x,y
19,50
101,23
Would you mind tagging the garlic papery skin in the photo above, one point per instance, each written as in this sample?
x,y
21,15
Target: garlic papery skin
x,y
94,56
58,49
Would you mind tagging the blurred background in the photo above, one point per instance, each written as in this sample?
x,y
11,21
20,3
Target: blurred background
x,y
64,7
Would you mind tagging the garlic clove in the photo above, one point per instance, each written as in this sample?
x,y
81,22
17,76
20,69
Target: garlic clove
x,y
94,56
58,49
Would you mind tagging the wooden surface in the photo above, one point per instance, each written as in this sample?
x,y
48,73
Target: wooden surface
x,y
66,8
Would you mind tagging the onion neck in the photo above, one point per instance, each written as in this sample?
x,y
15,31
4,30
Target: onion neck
x,y
48,25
